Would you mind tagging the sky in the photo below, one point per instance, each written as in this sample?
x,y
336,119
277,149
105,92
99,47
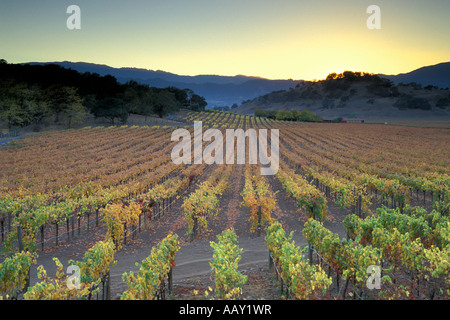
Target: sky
x,y
282,39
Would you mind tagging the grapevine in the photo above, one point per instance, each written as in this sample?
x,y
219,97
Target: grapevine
x,y
228,280
152,271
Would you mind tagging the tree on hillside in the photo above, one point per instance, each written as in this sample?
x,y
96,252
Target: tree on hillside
x,y
60,99
44,91
13,113
131,99
181,95
294,115
284,115
147,105
164,103
111,108
197,103
410,102
308,116
21,105
260,113
75,114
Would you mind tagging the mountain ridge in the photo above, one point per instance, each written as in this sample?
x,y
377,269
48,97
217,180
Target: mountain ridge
x,y
228,90
436,75
217,90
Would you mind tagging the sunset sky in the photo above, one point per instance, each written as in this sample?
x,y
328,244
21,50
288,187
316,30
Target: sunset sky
x,y
273,39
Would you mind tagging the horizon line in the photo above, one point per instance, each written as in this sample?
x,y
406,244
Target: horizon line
x,y
212,74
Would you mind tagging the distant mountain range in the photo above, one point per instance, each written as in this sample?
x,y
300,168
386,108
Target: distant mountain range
x,y
217,90
229,90
436,75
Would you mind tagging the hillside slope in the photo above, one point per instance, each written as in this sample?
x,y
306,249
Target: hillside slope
x,y
359,94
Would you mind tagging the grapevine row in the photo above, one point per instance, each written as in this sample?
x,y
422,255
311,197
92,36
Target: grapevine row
x,y
304,281
203,204
257,196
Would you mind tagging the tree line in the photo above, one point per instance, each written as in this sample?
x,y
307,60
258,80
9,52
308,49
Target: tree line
x,y
34,94
288,115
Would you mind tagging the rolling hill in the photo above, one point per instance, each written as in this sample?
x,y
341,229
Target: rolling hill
x,y
353,94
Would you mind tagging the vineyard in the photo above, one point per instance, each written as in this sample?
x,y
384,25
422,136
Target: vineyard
x,y
355,211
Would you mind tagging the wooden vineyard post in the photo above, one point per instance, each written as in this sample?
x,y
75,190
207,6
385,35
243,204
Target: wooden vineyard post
x,y
125,233
72,221
19,238
281,284
107,287
133,231
56,228
162,291
149,215
67,227
313,210
2,230
42,237
259,220
9,221
21,249
345,288
402,202
195,229
195,226
270,262
360,205
170,280
337,281
104,283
